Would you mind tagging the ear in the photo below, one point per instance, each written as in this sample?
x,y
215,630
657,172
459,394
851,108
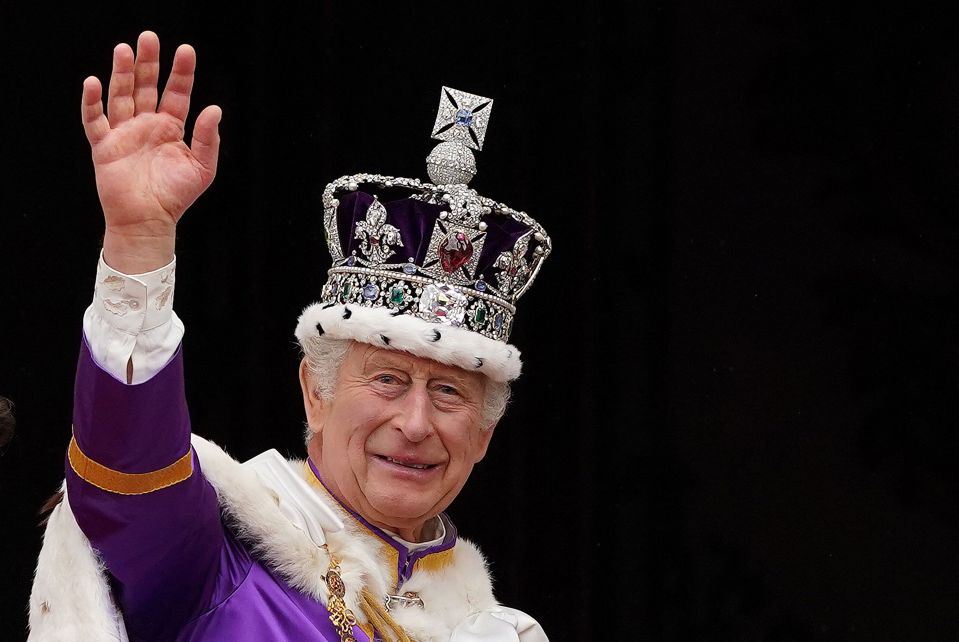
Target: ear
x,y
313,404
483,444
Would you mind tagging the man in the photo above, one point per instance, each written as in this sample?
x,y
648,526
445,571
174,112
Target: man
x,y
404,376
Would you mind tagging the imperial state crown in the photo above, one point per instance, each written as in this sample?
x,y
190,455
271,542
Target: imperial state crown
x,y
434,269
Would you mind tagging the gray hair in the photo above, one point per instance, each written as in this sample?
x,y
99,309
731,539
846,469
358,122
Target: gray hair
x,y
325,354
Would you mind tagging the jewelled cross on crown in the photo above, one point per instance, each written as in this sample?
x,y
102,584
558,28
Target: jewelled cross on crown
x,y
461,122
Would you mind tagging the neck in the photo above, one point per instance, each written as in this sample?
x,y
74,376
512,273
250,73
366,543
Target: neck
x,y
411,535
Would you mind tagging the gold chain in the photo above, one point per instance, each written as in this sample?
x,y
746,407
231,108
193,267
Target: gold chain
x,y
341,617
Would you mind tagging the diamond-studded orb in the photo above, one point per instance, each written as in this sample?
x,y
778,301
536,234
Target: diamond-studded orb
x,y
441,303
455,251
451,164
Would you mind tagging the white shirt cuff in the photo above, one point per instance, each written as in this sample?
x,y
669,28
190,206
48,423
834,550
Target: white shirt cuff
x,y
131,319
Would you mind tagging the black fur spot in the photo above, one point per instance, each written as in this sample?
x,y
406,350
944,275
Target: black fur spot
x,y
385,339
347,313
436,336
396,313
327,306
319,329
479,362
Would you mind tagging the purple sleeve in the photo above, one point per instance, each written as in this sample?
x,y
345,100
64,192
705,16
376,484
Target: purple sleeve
x,y
161,547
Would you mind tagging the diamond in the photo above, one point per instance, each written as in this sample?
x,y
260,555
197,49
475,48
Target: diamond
x,y
443,304
455,251
370,291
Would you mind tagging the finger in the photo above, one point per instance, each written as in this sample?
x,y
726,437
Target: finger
x,y
120,94
146,71
206,137
176,94
95,123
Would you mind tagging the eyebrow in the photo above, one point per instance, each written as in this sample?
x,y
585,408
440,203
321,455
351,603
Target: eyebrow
x,y
379,360
399,361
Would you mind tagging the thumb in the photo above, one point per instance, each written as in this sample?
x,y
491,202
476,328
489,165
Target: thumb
x,y
206,137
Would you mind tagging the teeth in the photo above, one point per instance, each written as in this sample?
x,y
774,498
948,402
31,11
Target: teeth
x,y
418,466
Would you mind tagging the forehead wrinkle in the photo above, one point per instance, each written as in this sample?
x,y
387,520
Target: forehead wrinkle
x,y
377,357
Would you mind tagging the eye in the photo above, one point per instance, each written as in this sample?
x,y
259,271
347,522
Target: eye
x,y
387,379
448,390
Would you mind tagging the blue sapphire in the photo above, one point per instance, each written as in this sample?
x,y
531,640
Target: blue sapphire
x,y
464,117
480,286
498,321
351,261
409,268
370,291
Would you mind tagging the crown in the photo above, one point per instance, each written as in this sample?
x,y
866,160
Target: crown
x,y
434,269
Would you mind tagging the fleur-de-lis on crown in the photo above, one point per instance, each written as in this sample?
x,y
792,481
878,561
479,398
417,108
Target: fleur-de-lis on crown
x,y
377,235
513,265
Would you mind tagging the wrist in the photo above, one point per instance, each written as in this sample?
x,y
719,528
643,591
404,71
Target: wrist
x,y
138,253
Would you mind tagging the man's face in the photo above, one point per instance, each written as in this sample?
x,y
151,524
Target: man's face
x,y
400,436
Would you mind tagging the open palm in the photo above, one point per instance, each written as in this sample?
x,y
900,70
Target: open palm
x,y
146,174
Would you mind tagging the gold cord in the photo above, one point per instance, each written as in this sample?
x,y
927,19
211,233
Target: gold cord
x,y
381,620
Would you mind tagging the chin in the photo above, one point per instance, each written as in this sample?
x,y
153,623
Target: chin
x,y
397,508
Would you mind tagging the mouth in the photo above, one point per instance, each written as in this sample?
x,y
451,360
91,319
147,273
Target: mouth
x,y
413,465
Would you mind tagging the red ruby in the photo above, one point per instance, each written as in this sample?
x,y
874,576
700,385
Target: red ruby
x,y
455,252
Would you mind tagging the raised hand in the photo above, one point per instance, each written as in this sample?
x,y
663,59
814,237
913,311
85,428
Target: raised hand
x,y
146,174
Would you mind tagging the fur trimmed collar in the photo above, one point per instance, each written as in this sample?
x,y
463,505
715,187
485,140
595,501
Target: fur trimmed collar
x,y
83,609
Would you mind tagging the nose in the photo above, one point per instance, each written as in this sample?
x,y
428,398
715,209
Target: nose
x,y
414,418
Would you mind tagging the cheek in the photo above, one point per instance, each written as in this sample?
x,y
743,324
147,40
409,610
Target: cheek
x,y
463,444
361,424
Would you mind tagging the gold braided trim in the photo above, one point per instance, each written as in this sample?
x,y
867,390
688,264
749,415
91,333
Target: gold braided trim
x,y
434,562
128,483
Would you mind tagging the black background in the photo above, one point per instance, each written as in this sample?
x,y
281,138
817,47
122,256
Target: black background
x,y
738,414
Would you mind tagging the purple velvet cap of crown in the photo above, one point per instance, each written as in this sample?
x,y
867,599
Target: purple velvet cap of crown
x,y
415,220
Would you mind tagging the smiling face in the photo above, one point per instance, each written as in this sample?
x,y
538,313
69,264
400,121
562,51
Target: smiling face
x,y
400,436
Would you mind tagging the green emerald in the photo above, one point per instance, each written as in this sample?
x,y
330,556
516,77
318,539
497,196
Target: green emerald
x,y
397,295
346,289
480,315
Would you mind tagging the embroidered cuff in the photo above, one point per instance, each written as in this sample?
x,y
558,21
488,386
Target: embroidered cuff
x,y
134,303
120,483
